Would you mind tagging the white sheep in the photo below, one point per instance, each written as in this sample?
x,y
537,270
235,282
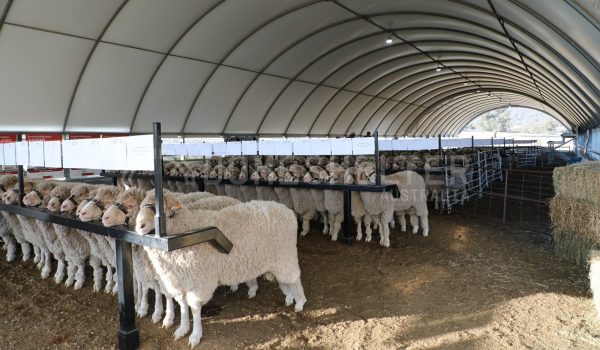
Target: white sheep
x,y
8,222
358,211
283,193
18,224
334,199
232,173
312,176
267,243
264,193
304,204
412,199
250,192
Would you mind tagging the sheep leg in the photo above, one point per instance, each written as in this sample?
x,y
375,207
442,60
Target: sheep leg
x,y
234,288
184,323
98,273
196,335
60,271
80,275
169,313
425,225
36,254
287,291
402,221
337,226
142,310
115,288
376,222
299,296
137,294
414,222
9,244
47,265
325,223
252,288
70,273
385,234
331,223
368,220
305,224
109,279
158,306
26,250
358,222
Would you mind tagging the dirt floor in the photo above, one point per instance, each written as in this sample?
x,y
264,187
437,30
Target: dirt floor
x,y
469,285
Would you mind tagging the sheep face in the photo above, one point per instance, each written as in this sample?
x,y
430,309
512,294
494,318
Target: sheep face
x,y
115,215
349,179
289,177
273,177
92,210
324,176
54,204
144,221
308,178
11,197
68,206
255,176
33,198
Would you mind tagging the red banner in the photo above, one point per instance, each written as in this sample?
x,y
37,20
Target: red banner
x,y
43,137
8,138
80,136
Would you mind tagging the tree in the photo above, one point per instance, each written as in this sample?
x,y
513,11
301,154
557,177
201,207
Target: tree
x,y
496,120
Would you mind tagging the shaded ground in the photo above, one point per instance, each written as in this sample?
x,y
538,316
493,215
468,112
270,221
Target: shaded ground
x,y
470,285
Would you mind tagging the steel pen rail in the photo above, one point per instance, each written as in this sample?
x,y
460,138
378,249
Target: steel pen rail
x,y
128,336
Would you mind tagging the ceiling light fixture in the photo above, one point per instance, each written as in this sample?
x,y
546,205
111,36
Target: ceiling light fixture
x,y
389,40
439,67
478,91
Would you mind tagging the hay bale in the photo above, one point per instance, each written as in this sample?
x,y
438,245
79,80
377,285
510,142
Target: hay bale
x,y
572,247
595,279
581,217
579,181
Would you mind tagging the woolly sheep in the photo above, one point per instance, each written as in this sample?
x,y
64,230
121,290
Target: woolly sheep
x,y
413,194
250,192
358,211
283,193
334,199
267,243
304,205
216,175
264,193
312,176
8,223
232,173
20,224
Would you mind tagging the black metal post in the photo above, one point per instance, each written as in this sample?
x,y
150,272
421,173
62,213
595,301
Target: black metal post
x,y
21,177
377,161
129,336
440,150
160,227
505,196
348,232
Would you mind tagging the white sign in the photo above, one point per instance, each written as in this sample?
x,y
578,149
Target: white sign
x,y
266,147
234,148
168,149
69,153
363,145
219,148
482,142
456,143
199,149
1,154
114,153
180,149
341,146
302,147
10,154
320,147
283,148
140,152
36,153
52,154
385,145
22,153
249,148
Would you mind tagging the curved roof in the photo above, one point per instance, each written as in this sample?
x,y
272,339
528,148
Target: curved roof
x,y
294,67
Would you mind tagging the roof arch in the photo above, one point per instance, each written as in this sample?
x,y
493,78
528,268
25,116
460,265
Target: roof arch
x,y
295,67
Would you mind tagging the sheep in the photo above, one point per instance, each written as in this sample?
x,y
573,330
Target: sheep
x,y
76,248
264,193
304,205
312,176
267,243
8,223
20,224
358,211
283,193
93,210
250,192
334,199
413,195
41,196
378,205
232,173
217,173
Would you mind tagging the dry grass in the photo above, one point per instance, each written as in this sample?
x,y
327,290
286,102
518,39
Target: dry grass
x,y
573,247
580,217
578,181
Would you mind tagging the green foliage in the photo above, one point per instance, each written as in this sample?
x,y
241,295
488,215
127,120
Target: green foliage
x,y
496,120
517,120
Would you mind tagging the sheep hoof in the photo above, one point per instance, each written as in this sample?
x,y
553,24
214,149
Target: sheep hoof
x,y
358,237
269,277
334,238
69,282
194,339
299,307
415,230
25,258
167,322
403,228
142,312
78,285
425,233
368,239
303,233
156,316
10,257
289,300
233,288
251,294
180,332
45,273
58,278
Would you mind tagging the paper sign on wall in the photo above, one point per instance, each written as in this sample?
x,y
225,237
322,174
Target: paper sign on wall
x,y
363,145
140,152
1,154
266,147
283,148
341,146
52,154
36,153
302,147
249,148
10,155
22,153
199,149
234,148
320,147
219,148
114,154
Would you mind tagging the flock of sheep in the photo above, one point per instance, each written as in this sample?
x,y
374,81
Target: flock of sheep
x,y
264,246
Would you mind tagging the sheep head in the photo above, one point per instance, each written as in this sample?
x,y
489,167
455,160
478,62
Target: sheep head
x,y
94,209
144,221
40,194
57,196
126,203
